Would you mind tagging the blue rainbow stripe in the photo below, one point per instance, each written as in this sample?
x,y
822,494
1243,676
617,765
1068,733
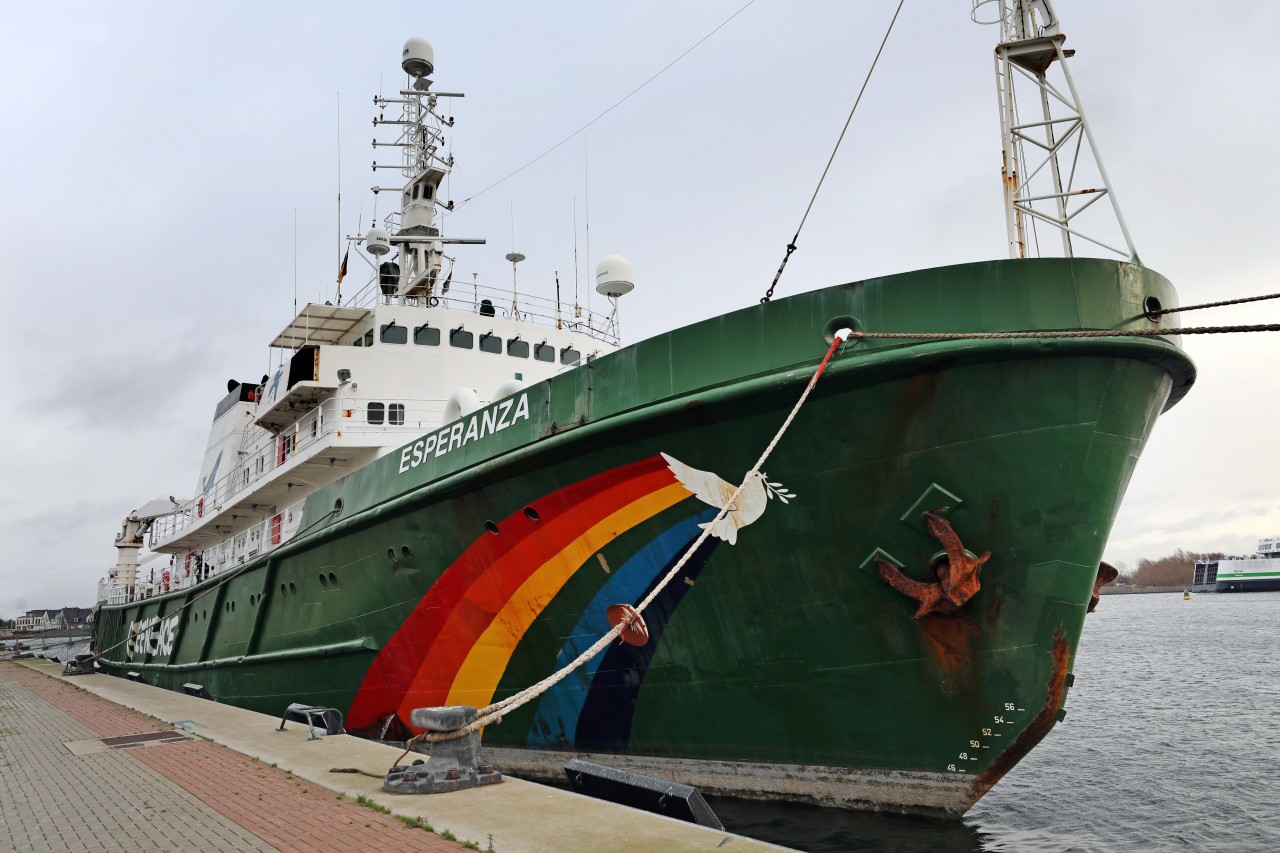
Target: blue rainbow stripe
x,y
555,722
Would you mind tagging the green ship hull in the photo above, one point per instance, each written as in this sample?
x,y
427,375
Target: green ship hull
x,y
475,561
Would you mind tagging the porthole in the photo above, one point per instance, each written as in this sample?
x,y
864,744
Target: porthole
x,y
1151,307
233,607
406,553
282,589
293,590
531,513
333,579
337,507
324,581
492,527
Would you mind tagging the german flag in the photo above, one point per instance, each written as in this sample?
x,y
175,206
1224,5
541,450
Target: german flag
x,y
342,270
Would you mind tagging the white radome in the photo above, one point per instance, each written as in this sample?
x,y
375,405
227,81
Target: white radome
x,y
377,242
614,277
418,59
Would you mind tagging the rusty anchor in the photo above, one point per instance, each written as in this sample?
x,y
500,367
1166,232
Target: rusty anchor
x,y
1107,573
957,576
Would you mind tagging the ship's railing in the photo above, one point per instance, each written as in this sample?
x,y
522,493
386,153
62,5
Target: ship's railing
x,y
504,303
265,452
237,549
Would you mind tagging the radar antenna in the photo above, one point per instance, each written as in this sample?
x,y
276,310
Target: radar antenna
x,y
1035,146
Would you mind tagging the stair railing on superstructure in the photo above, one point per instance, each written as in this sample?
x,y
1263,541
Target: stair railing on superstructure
x,y
235,550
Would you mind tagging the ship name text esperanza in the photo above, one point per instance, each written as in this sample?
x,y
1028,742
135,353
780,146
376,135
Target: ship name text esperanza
x,y
491,420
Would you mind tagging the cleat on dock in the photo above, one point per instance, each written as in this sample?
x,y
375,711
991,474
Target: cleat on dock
x,y
452,765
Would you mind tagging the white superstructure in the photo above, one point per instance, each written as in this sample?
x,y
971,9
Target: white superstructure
x,y
415,348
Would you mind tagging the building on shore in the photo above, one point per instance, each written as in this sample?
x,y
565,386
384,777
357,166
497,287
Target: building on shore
x,y
65,618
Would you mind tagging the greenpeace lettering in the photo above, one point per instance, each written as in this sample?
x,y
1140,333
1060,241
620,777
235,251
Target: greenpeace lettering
x,y
494,419
153,636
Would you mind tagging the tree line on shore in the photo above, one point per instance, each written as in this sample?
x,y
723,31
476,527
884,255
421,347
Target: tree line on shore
x,y
1176,569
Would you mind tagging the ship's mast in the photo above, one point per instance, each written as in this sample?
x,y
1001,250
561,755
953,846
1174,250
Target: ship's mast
x,y
1036,145
415,274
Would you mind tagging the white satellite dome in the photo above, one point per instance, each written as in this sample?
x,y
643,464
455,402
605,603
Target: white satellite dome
x,y
418,58
614,277
377,242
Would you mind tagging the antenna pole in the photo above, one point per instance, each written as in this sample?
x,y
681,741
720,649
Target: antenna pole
x,y
339,258
586,180
559,324
577,309
295,261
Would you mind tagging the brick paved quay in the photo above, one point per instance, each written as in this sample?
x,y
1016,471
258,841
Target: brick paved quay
x,y
62,789
187,795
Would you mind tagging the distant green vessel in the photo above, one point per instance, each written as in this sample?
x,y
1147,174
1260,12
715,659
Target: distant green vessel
x,y
458,554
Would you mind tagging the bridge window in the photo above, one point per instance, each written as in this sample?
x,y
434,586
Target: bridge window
x,y
461,339
394,334
569,355
489,342
368,338
544,352
518,348
376,413
395,414
426,336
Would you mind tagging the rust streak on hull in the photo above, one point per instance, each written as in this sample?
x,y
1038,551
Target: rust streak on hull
x,y
1039,725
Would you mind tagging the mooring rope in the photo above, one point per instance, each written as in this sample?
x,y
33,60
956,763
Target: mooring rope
x,y
493,713
1066,333
1216,304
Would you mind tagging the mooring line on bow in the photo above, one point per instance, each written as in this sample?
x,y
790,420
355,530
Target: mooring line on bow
x,y
493,713
1066,333
1239,301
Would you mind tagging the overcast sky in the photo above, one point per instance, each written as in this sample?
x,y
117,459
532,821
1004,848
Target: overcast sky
x,y
153,155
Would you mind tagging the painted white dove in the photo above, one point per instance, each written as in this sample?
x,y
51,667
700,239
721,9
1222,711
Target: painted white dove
x,y
710,489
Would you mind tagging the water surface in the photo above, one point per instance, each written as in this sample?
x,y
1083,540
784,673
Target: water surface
x,y
1171,742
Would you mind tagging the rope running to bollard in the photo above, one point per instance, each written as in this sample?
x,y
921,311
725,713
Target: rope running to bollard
x,y
1068,333
493,713
1216,304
